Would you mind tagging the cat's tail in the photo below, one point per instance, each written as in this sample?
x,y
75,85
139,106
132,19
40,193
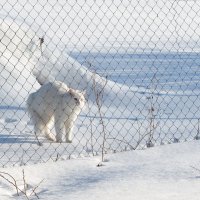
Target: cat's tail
x,y
29,104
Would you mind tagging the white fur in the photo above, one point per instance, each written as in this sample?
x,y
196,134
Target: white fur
x,y
55,100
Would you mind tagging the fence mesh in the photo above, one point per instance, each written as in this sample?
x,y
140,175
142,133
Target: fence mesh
x,y
137,61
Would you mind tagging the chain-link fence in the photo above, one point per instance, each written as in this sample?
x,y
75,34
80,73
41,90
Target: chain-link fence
x,y
137,61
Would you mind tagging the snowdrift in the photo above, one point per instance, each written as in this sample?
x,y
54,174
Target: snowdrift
x,y
15,64
23,59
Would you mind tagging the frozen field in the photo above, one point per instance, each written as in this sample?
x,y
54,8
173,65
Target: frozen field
x,y
160,71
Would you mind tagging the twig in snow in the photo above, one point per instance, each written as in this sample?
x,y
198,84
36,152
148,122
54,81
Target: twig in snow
x,y
25,185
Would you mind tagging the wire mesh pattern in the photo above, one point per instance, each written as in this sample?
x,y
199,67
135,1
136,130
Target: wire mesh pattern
x,y
137,61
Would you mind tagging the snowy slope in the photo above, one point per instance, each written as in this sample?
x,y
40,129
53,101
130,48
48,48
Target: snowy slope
x,y
23,57
159,173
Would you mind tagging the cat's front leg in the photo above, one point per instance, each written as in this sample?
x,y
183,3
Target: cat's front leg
x,y
59,128
68,131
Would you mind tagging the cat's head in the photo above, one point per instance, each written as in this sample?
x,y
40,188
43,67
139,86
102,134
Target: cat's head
x,y
78,97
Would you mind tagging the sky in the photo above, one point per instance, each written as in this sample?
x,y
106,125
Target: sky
x,y
121,24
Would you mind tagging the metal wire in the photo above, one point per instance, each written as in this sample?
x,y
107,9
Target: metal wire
x,y
138,62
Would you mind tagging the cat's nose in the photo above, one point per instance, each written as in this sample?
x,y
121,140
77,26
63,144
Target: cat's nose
x,y
77,101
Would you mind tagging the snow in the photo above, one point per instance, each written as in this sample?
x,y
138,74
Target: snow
x,y
159,173
125,108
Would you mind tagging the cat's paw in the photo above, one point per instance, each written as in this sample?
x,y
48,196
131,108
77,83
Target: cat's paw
x,y
58,140
68,141
49,138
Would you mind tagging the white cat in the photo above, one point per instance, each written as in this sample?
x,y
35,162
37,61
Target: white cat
x,y
55,100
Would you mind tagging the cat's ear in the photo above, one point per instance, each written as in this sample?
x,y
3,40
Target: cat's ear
x,y
83,92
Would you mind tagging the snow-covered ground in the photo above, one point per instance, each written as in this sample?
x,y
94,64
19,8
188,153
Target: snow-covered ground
x,y
159,173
